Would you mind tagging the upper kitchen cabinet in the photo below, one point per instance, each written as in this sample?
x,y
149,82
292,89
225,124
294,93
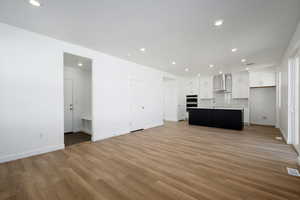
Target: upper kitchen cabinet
x,y
263,78
206,87
192,86
240,85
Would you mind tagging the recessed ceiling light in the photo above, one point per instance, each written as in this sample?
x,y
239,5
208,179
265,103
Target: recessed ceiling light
x,y
198,74
243,60
219,22
80,64
128,54
35,3
186,69
173,63
247,68
220,72
211,66
142,49
234,50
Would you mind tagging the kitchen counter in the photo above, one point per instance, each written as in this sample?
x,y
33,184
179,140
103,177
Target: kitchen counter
x,y
219,117
219,107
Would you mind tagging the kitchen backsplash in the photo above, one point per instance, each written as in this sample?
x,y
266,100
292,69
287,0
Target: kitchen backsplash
x,y
223,99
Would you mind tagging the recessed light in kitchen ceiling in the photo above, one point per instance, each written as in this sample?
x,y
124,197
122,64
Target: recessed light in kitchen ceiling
x,y
220,72
186,69
80,64
142,49
219,22
35,3
211,66
234,50
243,60
173,63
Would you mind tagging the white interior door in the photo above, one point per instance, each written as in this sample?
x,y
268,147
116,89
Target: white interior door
x,y
68,105
137,106
170,100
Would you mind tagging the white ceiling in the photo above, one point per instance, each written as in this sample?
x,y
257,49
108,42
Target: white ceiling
x,y
170,30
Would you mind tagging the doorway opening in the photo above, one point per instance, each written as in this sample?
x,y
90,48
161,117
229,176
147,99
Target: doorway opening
x,y
293,99
77,99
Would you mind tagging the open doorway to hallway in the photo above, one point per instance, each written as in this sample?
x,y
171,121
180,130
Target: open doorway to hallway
x,y
77,99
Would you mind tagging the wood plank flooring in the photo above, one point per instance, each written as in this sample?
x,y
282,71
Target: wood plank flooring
x,y
173,162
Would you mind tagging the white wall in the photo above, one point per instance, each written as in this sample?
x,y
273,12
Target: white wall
x,y
82,95
263,106
31,85
283,68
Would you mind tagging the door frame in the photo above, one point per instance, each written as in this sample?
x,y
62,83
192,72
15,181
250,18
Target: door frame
x,y
293,98
92,93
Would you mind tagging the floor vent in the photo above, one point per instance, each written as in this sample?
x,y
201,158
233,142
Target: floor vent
x,y
278,138
293,172
136,130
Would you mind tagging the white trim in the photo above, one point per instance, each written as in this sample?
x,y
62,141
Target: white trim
x,y
283,134
94,139
297,149
171,119
278,97
154,125
297,62
31,153
293,99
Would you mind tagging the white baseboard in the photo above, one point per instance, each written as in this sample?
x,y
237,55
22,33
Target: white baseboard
x,y
283,134
31,153
171,120
96,138
155,125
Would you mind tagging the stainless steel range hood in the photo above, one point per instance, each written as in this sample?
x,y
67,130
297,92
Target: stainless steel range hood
x,y
222,83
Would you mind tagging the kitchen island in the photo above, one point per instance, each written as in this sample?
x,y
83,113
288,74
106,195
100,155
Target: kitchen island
x,y
219,117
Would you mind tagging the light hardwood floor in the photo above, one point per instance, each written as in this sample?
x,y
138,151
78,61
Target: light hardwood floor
x,y
175,161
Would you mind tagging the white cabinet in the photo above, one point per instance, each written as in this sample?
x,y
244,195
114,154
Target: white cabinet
x,y
240,85
206,87
191,86
266,78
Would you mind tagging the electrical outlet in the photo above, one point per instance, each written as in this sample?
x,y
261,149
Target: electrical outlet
x,y
264,117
